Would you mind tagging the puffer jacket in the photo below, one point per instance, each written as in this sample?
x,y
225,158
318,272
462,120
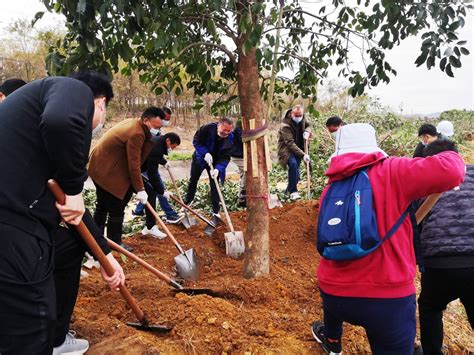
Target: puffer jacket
x,y
447,237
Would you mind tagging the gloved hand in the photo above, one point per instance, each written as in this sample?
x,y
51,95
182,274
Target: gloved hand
x,y
306,158
208,159
214,173
167,194
142,196
306,135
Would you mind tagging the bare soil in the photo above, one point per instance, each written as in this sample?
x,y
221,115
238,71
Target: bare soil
x,y
266,315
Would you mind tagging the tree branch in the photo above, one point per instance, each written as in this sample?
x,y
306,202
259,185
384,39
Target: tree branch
x,y
219,23
297,29
301,59
208,44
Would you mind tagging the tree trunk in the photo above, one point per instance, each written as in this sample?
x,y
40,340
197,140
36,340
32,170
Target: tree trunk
x,y
257,260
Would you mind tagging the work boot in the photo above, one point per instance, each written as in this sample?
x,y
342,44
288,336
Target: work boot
x,y
154,232
126,247
329,346
71,345
174,219
295,196
216,219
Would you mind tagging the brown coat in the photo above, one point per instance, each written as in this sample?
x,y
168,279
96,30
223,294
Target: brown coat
x,y
287,139
116,159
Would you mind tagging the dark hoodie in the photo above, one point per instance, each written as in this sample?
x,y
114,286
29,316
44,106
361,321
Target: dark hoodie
x,y
389,271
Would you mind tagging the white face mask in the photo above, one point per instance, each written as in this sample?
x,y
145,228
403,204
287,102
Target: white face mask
x,y
170,150
297,119
154,131
334,134
165,123
96,131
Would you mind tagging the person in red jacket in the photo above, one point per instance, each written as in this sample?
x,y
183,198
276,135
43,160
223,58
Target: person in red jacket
x,y
377,291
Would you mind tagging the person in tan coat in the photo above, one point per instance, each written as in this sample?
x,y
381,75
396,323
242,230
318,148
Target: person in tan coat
x,y
114,168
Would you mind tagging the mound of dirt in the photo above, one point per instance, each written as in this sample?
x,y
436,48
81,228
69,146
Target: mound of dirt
x,y
267,315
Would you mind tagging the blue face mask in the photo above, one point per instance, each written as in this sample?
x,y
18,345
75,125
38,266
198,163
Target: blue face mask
x,y
154,131
297,119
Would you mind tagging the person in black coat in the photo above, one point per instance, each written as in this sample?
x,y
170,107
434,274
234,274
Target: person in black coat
x,y
154,186
447,241
45,130
213,144
427,134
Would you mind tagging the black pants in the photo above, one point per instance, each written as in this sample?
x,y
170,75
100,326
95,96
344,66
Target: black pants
x,y
196,171
108,205
438,288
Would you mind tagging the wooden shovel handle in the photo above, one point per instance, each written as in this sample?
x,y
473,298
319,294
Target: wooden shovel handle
x,y
165,228
308,177
224,207
426,207
143,263
196,213
98,253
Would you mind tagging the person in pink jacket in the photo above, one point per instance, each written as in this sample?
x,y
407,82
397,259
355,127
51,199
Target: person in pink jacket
x,y
377,291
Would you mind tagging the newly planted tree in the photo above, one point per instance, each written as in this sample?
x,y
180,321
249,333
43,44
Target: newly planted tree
x,y
237,38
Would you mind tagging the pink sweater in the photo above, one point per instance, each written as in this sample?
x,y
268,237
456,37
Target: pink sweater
x,y
389,271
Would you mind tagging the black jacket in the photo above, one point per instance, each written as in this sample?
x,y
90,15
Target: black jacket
x,y
157,156
419,150
45,132
237,145
447,237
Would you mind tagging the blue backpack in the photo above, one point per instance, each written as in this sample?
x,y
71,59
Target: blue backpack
x,y
347,225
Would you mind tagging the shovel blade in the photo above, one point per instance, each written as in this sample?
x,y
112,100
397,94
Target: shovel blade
x,y
209,230
150,328
187,265
234,244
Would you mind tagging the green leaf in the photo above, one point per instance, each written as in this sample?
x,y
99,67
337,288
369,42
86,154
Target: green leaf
x,y
38,16
421,59
464,51
449,71
455,62
442,63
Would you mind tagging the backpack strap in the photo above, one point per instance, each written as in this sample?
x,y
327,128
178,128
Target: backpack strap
x,y
396,225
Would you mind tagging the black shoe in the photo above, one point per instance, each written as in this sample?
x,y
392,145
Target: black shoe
x,y
126,247
331,348
174,219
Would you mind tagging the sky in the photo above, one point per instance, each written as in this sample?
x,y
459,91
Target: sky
x,y
414,90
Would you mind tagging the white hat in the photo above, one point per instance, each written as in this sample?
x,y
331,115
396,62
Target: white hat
x,y
356,138
445,128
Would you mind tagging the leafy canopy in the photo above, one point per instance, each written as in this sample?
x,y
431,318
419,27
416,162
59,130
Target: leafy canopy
x,y
161,38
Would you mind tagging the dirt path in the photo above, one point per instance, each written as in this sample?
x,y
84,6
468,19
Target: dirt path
x,y
267,315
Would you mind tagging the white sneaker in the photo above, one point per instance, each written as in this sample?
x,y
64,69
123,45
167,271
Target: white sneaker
x,y
154,232
71,345
294,196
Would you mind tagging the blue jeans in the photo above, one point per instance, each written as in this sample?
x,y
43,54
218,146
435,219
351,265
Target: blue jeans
x,y
164,204
293,173
390,323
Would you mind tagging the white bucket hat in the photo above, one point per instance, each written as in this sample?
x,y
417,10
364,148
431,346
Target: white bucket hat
x,y
356,138
445,128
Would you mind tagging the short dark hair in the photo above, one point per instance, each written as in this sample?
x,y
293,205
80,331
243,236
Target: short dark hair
x,y
174,138
439,146
227,120
11,85
98,83
427,128
153,112
167,110
334,121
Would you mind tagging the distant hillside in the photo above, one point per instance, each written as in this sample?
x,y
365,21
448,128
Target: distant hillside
x,y
433,115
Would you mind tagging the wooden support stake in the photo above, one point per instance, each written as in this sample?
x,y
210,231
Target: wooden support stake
x,y
253,151
267,150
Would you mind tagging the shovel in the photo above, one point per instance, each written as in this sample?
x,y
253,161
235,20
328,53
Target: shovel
x,y
186,261
178,288
308,173
187,221
234,241
143,323
426,206
210,226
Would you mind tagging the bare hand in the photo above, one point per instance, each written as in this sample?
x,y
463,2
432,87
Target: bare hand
x,y
118,278
72,210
